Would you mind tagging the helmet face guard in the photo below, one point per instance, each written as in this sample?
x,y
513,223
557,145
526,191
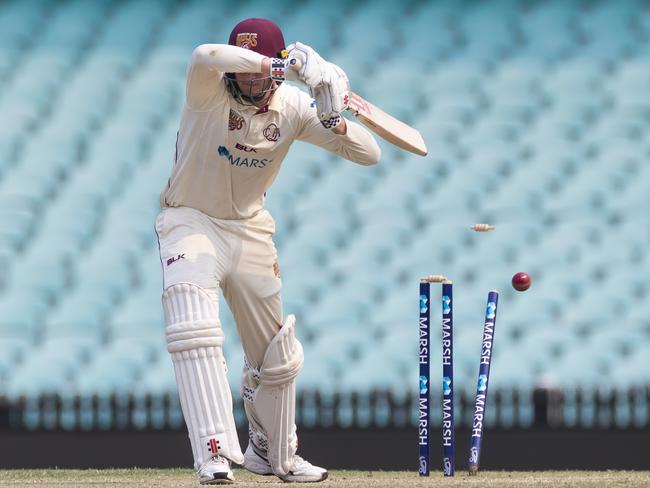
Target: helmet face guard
x,y
244,90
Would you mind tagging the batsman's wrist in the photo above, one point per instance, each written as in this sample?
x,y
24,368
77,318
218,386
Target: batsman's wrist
x,y
278,69
341,129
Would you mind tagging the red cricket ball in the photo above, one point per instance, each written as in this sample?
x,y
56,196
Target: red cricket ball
x,y
521,281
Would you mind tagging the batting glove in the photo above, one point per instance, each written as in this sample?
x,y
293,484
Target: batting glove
x,y
332,97
312,65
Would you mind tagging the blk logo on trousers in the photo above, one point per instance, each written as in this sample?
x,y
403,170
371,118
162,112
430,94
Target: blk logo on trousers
x,y
175,258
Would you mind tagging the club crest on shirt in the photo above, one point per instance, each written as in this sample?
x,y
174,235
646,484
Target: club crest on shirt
x,y
247,40
235,122
271,132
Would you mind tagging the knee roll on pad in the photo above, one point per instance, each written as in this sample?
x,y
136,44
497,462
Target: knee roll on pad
x,y
270,398
191,317
194,340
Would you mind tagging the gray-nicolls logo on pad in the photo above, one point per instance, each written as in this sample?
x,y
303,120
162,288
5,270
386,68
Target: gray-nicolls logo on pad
x,y
173,259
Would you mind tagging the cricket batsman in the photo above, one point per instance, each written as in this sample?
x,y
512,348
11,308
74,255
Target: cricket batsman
x,y
237,125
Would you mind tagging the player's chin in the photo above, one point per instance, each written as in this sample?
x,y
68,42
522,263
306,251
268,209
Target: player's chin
x,y
268,90
264,97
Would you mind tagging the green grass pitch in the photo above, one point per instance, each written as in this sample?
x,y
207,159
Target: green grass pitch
x,y
163,478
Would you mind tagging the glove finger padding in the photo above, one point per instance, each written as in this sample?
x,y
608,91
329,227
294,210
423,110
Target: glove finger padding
x,y
327,116
332,97
340,88
312,65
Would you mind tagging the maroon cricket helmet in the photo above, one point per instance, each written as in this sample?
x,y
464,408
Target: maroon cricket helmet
x,y
260,35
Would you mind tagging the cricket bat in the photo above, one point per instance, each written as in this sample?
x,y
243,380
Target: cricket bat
x,y
384,125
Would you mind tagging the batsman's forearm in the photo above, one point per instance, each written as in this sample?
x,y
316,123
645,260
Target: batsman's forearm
x,y
358,145
227,59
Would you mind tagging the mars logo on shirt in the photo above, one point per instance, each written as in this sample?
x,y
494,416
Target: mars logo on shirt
x,y
271,132
235,122
247,40
243,161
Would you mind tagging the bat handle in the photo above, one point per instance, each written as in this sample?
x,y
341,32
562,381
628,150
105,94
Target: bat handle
x,y
295,64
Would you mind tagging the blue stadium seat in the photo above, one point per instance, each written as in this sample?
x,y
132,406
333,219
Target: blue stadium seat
x,y
75,22
109,269
512,367
631,79
487,32
458,79
126,36
83,315
358,46
31,379
631,371
140,317
319,373
547,32
301,289
44,276
12,353
384,82
158,378
34,182
17,117
70,224
436,19
148,100
34,90
299,26
19,21
334,310
22,315
105,376
331,353
521,80
567,371
17,220
189,27
67,353
116,368
380,237
606,32
397,308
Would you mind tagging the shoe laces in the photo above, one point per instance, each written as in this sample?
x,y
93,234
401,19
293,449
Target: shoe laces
x,y
218,459
300,462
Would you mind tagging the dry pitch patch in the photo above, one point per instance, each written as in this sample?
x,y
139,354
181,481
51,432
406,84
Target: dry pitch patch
x,y
358,479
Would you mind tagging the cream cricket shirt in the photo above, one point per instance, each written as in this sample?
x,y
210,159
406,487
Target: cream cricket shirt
x,y
228,154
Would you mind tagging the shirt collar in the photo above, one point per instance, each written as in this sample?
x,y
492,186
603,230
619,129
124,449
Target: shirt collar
x,y
275,102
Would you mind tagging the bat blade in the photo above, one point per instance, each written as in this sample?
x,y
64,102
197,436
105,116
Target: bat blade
x,y
386,126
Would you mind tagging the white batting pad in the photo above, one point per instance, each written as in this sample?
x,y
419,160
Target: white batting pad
x,y
270,398
194,339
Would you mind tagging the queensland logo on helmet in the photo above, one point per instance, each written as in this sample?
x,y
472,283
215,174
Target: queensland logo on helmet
x,y
271,132
247,40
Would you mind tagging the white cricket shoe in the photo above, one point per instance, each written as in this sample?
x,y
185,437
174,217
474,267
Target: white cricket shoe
x,y
301,472
216,471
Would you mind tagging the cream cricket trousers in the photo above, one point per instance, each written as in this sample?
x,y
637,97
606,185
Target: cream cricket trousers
x,y
237,255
